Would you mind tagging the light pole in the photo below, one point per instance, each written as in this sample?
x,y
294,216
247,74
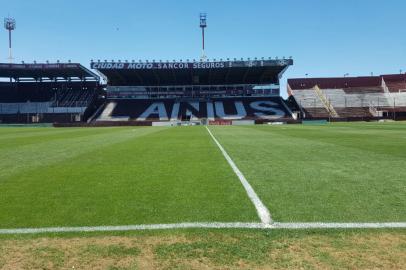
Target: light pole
x,y
203,25
9,25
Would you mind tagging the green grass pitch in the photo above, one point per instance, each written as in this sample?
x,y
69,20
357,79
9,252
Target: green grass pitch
x,y
149,175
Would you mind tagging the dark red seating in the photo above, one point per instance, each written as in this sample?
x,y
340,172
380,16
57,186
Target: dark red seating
x,y
335,83
395,82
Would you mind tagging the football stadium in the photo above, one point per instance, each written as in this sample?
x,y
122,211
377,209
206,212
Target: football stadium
x,y
200,164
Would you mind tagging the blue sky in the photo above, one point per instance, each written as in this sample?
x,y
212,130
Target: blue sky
x,y
324,37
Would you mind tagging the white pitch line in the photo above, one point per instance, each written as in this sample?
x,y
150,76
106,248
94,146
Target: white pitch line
x,y
338,225
207,225
262,211
191,225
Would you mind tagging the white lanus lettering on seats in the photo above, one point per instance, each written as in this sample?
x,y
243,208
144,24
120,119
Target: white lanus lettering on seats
x,y
108,111
239,106
210,111
268,107
175,111
156,108
194,105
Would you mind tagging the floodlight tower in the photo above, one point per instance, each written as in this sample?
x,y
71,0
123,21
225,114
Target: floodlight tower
x,y
203,25
10,25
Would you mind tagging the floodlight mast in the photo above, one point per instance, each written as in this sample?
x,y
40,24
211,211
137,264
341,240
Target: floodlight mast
x,y
9,25
203,25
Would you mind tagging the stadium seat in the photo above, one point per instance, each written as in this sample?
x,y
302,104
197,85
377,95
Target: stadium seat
x,y
354,97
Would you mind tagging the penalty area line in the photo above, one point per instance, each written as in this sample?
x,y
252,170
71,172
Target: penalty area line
x,y
262,210
209,225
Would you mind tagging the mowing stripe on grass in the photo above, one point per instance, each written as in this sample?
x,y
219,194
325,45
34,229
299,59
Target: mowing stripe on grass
x,y
207,225
262,211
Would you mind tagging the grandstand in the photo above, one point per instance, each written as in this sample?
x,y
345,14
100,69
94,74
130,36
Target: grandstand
x,y
190,92
193,91
350,98
33,93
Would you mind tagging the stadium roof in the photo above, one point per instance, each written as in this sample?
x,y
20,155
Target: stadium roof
x,y
64,71
334,83
344,82
192,73
394,77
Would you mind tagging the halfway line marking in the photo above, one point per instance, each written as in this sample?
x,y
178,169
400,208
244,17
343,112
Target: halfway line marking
x,y
262,211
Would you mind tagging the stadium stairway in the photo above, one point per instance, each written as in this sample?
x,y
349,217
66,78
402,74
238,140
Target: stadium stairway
x,y
326,102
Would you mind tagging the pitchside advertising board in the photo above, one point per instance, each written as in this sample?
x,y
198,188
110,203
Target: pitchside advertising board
x,y
169,109
188,65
